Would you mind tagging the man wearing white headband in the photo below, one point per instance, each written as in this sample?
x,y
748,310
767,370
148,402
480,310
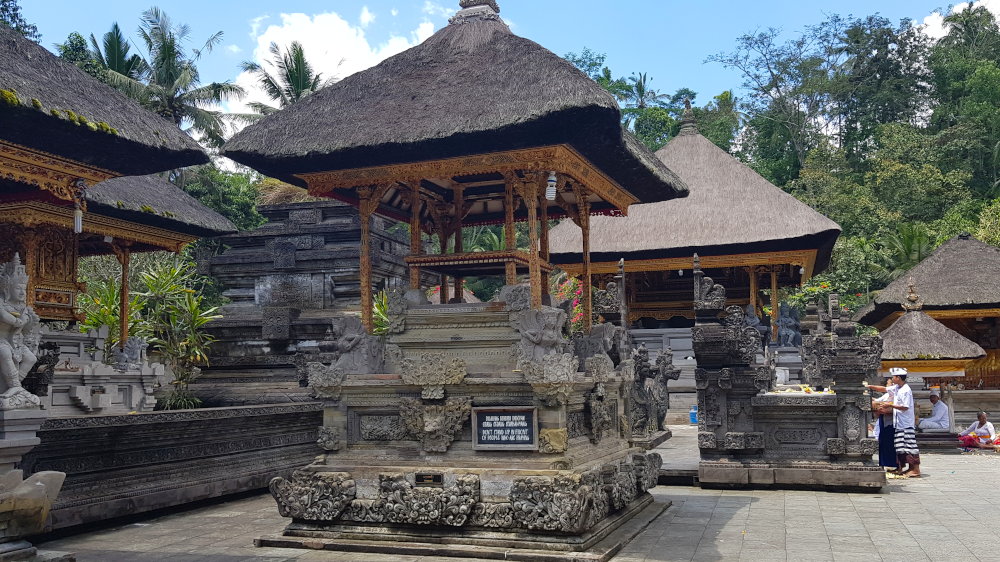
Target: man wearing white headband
x,y
939,414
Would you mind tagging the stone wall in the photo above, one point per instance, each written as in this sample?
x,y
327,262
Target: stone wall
x,y
125,464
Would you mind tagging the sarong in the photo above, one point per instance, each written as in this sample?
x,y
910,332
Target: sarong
x,y
906,441
886,445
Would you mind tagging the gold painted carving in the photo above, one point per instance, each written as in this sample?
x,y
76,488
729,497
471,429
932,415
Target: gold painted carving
x,y
559,158
30,214
48,172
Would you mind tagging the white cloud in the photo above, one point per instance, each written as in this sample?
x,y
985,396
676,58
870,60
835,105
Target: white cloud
x,y
334,47
394,12
366,16
434,9
934,26
234,49
255,24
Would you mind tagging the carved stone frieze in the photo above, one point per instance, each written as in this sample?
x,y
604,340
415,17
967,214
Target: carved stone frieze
x,y
706,440
435,425
647,470
325,380
396,306
553,440
329,438
552,378
432,371
835,446
558,503
313,496
541,333
382,428
621,486
602,417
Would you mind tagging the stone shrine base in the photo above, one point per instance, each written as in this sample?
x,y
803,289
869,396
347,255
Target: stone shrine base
x,y
24,551
815,475
599,544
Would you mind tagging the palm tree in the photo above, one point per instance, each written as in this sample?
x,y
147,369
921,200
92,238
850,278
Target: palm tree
x,y
294,78
903,249
113,54
640,96
170,85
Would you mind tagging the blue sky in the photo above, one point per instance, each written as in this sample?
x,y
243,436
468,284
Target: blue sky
x,y
667,39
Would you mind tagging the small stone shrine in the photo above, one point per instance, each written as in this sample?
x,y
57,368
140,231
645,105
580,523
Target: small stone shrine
x,y
24,504
752,434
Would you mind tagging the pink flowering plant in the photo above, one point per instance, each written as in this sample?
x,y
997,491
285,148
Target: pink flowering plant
x,y
571,289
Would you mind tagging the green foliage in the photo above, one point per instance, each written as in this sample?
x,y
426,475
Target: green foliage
x,y
165,308
902,249
989,224
380,313
231,194
75,50
10,15
291,79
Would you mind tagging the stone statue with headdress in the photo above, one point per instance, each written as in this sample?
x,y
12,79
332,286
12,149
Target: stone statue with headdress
x,y
19,333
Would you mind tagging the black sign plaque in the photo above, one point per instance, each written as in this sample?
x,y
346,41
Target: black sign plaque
x,y
503,427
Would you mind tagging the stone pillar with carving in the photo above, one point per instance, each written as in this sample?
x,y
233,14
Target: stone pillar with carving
x,y
725,380
848,359
24,504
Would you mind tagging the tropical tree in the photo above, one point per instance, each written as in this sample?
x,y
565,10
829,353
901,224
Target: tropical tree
x,y
292,80
170,86
903,249
10,15
75,50
112,52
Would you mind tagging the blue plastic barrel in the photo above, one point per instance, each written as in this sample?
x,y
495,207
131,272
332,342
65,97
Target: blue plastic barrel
x,y
693,414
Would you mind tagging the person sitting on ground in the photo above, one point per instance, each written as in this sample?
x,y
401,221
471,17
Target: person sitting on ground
x,y
979,435
939,414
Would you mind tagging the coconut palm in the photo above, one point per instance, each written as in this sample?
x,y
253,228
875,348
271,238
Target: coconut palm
x,y
112,53
903,249
640,96
293,79
170,86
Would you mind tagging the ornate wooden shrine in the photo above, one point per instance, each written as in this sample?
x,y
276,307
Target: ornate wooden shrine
x,y
749,234
64,133
958,288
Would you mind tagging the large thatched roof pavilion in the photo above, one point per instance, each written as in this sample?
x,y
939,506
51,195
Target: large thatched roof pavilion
x,y
959,288
473,126
63,137
740,225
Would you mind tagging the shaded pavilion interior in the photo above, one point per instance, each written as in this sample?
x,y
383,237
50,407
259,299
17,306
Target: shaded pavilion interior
x,y
65,138
460,153
749,235
958,287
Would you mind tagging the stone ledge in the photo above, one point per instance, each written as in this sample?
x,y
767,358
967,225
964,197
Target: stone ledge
x,y
817,476
598,545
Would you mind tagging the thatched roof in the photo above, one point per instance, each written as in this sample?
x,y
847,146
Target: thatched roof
x,y
155,201
126,138
730,209
917,336
962,273
471,88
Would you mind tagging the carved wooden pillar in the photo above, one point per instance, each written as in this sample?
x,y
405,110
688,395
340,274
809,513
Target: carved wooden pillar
x,y
443,238
529,195
544,204
583,205
754,288
416,244
457,229
364,211
123,252
510,237
774,303
29,259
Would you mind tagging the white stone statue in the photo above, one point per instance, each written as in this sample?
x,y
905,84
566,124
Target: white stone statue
x,y
19,333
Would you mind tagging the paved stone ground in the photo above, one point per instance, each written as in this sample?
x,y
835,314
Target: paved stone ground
x,y
951,514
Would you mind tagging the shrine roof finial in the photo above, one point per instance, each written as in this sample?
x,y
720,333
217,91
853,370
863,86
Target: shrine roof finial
x,y
913,301
465,4
688,123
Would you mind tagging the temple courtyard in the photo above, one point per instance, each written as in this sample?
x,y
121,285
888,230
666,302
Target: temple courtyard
x,y
947,515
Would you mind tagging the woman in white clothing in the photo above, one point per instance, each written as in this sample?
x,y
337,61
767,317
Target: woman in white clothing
x,y
979,435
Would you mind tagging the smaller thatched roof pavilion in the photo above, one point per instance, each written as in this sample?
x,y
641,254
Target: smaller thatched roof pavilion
x,y
732,218
922,344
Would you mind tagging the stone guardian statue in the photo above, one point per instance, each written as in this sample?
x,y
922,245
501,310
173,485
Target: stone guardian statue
x,y
19,333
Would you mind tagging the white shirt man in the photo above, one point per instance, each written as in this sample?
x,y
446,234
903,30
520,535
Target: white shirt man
x,y
907,452
939,415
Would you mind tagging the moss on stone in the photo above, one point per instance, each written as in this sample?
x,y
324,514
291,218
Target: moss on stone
x,y
36,103
9,97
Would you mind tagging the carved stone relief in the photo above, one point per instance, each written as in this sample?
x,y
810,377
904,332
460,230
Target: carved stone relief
x,y
313,496
432,371
435,425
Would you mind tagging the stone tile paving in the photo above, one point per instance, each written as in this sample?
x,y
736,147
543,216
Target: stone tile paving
x,y
949,515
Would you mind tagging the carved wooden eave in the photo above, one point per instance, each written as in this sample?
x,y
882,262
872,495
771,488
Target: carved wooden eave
x,y
805,259
942,314
562,159
47,172
927,365
31,214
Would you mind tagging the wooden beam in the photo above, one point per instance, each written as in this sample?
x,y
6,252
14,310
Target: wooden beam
x,y
588,301
509,233
529,194
416,244
945,314
456,227
369,198
124,255
707,262
774,303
